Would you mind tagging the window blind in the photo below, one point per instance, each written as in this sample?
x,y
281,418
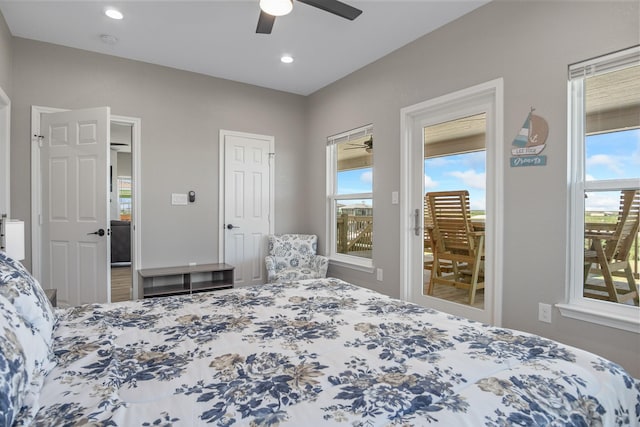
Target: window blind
x,y
605,64
352,135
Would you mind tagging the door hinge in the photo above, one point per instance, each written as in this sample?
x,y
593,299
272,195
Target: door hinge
x,y
40,139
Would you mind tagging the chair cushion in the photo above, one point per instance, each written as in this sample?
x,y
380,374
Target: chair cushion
x,y
293,250
290,274
25,293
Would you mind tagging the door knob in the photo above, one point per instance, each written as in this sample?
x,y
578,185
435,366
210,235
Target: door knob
x,y
99,232
231,227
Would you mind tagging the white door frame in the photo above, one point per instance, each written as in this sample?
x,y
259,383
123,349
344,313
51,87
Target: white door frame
x,y
36,191
5,154
221,183
411,118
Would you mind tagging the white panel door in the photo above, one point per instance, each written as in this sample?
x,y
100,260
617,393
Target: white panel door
x,y
248,202
74,159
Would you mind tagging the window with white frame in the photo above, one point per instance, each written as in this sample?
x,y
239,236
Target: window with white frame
x,y
604,104
350,196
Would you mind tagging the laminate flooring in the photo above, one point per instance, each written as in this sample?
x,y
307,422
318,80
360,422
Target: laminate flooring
x,y
121,286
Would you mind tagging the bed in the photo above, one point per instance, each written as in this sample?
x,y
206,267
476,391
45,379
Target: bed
x,y
314,352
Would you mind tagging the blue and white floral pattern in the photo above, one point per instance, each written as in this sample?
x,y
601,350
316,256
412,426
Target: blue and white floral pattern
x,y
293,257
22,365
26,294
317,352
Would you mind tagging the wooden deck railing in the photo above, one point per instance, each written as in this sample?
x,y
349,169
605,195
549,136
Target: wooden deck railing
x,y
355,233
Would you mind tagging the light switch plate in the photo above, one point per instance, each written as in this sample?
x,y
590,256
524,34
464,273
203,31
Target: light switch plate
x,y
394,198
178,199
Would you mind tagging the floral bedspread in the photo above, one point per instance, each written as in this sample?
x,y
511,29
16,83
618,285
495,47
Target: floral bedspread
x,y
317,352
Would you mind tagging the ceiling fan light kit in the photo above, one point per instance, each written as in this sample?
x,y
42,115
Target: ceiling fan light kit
x,y
269,9
276,7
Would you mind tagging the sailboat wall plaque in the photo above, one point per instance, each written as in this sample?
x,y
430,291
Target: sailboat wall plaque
x,y
530,141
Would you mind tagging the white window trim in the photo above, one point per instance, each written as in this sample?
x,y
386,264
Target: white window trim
x,y
335,258
614,315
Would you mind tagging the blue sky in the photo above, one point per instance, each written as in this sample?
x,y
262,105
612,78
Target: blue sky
x,y
465,171
613,155
608,156
461,171
355,181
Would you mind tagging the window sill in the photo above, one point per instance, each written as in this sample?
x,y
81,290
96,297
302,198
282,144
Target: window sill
x,y
613,315
366,266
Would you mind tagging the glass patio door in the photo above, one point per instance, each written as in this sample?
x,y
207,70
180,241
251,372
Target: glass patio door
x,y
454,144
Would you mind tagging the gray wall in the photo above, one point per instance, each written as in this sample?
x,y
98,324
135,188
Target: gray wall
x,y
6,53
124,163
181,114
529,44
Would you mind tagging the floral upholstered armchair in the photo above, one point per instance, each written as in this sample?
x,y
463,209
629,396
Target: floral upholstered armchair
x,y
293,257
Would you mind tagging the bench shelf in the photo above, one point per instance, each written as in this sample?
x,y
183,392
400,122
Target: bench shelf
x,y
184,279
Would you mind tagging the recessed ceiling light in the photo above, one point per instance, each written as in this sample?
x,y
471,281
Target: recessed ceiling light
x,y
114,14
287,59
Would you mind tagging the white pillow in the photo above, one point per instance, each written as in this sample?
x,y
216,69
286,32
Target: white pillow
x,y
26,294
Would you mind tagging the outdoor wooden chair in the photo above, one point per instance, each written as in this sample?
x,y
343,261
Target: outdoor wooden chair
x,y
609,251
455,242
428,230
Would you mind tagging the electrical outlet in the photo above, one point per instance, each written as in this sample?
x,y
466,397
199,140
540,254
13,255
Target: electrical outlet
x,y
192,264
544,312
379,274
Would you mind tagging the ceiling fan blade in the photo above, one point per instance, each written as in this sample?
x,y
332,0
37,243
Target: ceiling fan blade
x,y
336,7
265,23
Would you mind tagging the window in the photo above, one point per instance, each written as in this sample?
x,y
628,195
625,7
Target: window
x,y
124,197
350,197
605,169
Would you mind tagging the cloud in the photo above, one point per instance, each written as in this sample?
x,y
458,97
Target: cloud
x,y
610,162
367,177
429,183
602,201
471,178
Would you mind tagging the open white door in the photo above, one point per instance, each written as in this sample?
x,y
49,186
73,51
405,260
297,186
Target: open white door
x,y
247,193
75,207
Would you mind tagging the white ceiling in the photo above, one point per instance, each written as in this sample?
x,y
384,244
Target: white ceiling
x,y
218,38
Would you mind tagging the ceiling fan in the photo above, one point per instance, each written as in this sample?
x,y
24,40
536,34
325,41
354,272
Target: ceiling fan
x,y
269,9
367,145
